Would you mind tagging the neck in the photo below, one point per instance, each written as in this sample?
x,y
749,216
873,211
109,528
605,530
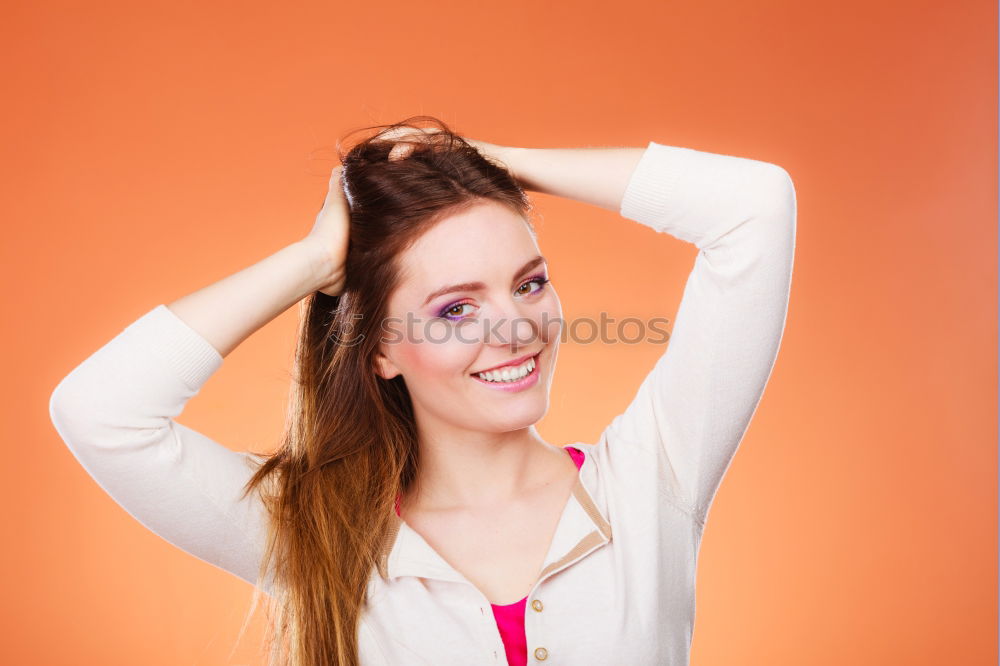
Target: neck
x,y
482,470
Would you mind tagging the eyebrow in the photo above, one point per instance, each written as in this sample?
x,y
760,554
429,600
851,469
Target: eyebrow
x,y
474,286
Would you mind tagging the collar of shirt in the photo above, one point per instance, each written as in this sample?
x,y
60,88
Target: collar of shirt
x,y
583,527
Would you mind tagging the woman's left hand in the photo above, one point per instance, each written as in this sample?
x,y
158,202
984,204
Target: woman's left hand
x,y
405,146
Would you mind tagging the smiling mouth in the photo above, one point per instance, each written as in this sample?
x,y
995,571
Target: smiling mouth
x,y
534,369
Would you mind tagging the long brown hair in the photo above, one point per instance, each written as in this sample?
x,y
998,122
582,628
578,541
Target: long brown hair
x,y
349,447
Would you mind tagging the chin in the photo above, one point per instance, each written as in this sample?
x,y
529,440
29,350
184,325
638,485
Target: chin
x,y
522,416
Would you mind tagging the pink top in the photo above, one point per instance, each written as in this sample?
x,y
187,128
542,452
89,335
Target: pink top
x,y
510,618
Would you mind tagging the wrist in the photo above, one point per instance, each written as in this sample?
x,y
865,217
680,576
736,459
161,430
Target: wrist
x,y
514,158
315,262
518,161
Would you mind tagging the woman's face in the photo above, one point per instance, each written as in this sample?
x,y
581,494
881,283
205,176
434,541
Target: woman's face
x,y
501,310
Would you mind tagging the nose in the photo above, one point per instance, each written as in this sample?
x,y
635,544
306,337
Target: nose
x,y
511,325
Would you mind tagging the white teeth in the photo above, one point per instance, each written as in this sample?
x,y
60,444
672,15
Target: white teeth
x,y
509,374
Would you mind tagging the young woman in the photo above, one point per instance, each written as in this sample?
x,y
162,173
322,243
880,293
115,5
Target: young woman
x,y
412,513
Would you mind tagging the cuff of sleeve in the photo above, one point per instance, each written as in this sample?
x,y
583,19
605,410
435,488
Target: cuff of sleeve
x,y
649,195
188,354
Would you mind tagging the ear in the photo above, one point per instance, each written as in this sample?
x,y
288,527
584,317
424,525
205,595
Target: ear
x,y
384,367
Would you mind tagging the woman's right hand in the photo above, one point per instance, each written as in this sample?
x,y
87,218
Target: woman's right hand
x,y
327,241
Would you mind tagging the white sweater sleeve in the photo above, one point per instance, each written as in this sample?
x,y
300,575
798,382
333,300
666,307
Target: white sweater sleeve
x,y
116,411
697,401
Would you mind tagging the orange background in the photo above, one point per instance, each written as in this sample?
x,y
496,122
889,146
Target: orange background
x,y
153,148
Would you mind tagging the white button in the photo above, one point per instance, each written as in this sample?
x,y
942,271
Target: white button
x,y
537,605
541,654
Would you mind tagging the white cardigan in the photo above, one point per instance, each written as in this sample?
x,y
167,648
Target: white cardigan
x,y
618,584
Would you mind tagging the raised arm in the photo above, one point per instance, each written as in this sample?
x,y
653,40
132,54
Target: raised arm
x,y
696,403
116,411
596,176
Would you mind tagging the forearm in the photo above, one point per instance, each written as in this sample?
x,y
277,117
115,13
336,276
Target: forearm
x,y
227,312
596,176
